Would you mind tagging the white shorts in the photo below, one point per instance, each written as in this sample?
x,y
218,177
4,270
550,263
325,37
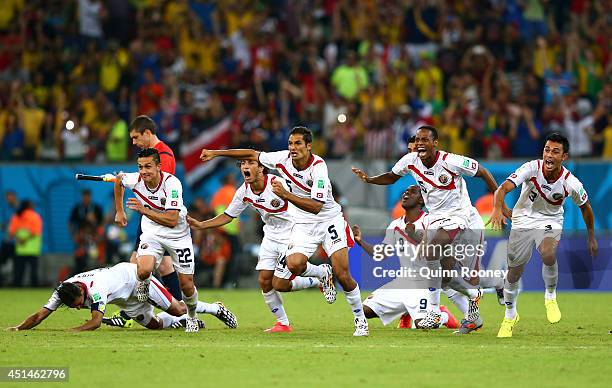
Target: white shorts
x,y
448,223
141,312
390,303
522,241
333,234
181,251
272,258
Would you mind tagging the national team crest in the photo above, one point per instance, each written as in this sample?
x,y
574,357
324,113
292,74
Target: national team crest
x,y
275,203
309,182
557,196
443,179
163,201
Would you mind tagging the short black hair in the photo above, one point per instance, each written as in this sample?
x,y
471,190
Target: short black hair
x,y
412,139
559,138
305,132
68,292
431,129
146,152
142,123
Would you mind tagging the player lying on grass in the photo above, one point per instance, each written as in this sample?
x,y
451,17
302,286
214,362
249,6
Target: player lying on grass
x,y
318,217
537,221
256,192
117,285
409,297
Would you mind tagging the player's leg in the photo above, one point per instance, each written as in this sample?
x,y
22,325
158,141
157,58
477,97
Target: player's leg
x,y
274,301
169,277
550,274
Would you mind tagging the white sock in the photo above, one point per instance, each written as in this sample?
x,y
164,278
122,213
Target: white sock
x,y
207,308
463,286
275,304
301,283
510,297
354,300
312,270
491,282
434,299
458,299
443,318
168,319
434,268
192,303
550,274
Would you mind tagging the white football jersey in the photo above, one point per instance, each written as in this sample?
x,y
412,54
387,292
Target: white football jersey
x,y
396,235
443,188
541,200
311,182
168,195
273,210
103,286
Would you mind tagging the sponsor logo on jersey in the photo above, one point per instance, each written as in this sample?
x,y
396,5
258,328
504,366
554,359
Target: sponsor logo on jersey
x,y
275,203
298,175
443,179
174,193
547,187
428,172
557,196
144,246
260,200
153,198
309,183
320,183
163,201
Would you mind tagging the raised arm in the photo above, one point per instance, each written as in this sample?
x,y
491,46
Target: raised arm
x,y
498,219
33,320
241,154
367,247
589,221
215,222
120,217
388,178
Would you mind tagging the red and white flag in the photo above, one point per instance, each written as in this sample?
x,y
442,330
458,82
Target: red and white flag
x,y
213,138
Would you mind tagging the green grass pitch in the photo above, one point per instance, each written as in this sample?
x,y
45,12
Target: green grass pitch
x,y
321,350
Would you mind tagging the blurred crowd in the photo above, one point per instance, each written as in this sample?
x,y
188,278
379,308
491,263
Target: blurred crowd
x,y
495,76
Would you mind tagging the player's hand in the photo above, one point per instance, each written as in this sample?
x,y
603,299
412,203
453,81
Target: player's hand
x,y
357,233
279,189
593,247
206,155
497,220
507,212
193,223
119,177
133,204
360,174
121,219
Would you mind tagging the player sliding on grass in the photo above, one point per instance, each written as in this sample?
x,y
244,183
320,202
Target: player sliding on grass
x,y
115,285
405,297
256,191
164,228
537,221
453,220
317,216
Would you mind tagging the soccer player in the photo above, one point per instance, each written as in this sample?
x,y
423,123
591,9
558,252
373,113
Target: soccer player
x,y
164,227
114,285
256,192
404,297
439,174
537,221
317,216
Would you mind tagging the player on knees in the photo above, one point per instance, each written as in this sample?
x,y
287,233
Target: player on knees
x,y
439,175
256,192
537,221
316,214
406,297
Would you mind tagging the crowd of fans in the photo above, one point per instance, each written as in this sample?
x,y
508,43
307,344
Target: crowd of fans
x,y
494,75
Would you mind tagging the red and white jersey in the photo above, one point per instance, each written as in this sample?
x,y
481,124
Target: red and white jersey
x,y
273,210
541,200
443,188
103,286
168,195
311,182
406,247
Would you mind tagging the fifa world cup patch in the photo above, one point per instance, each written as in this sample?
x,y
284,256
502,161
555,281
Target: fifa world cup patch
x,y
96,298
174,193
320,183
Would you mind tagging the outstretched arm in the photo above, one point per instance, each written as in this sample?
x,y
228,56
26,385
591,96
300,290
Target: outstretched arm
x,y
589,221
388,178
307,204
215,222
33,320
484,174
498,219
369,248
241,154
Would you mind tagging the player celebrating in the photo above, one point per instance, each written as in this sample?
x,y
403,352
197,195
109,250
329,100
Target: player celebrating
x,y
316,214
537,220
256,191
403,296
115,285
160,201
439,174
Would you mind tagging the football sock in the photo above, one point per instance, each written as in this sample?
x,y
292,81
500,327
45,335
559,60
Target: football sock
x,y
301,283
171,281
354,300
124,315
275,303
207,308
491,282
192,303
458,299
510,296
168,320
434,268
312,270
434,299
550,274
460,284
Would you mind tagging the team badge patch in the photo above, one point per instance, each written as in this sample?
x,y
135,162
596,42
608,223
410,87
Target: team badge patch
x,y
275,203
309,182
163,201
557,196
144,246
443,179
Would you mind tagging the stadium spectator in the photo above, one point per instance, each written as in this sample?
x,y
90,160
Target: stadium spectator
x,y
84,223
7,247
26,229
219,202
